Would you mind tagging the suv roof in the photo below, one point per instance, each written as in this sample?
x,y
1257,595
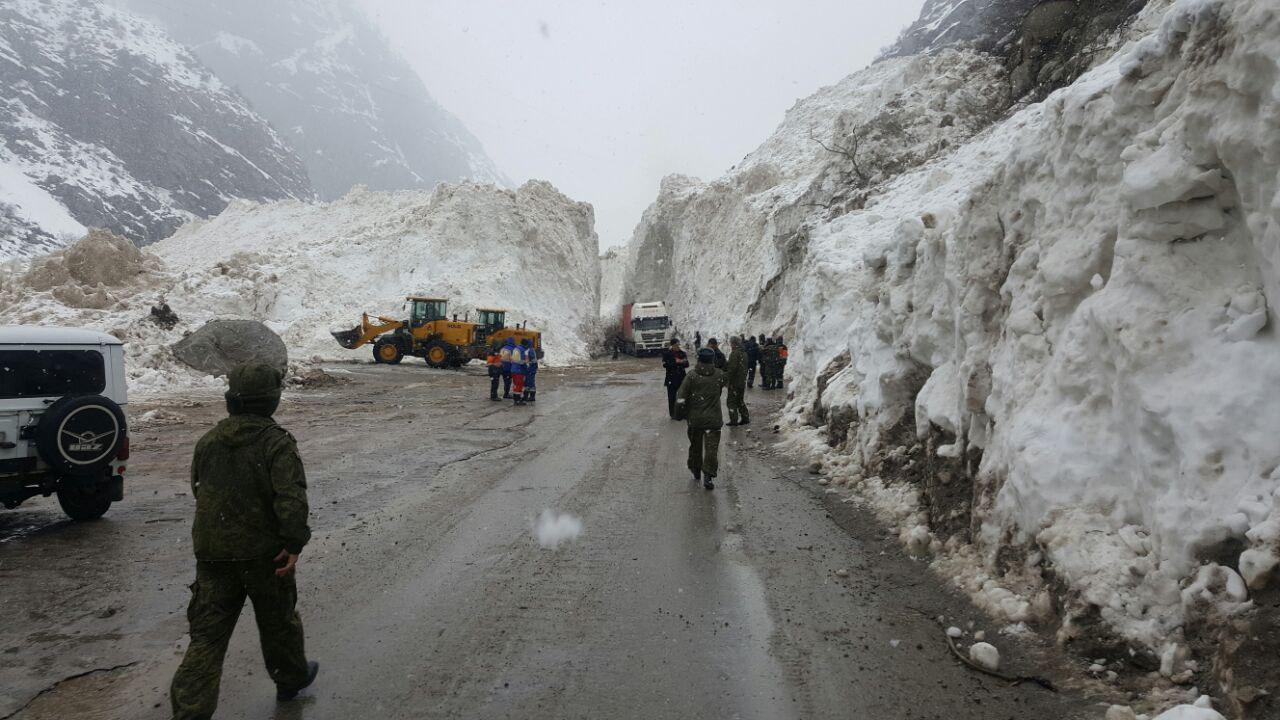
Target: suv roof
x,y
33,335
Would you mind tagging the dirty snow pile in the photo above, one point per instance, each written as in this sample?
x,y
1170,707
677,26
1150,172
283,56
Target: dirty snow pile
x,y
304,269
1043,348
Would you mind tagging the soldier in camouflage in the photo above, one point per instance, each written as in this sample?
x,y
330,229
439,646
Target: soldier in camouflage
x,y
736,372
699,402
250,526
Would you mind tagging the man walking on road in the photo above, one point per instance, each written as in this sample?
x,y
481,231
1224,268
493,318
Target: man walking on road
x,y
752,349
736,372
768,362
676,364
699,402
250,527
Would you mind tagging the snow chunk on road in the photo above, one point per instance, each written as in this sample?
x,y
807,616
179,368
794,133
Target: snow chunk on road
x,y
1201,710
985,655
552,529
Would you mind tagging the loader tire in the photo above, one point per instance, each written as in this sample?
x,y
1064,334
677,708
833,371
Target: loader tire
x,y
438,354
387,352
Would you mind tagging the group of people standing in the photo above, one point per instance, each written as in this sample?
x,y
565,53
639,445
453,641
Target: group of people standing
x,y
770,355
516,367
694,396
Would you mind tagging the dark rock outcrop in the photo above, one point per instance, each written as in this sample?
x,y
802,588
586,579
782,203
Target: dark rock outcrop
x,y
221,345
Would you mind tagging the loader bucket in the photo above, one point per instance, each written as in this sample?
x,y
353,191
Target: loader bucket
x,y
347,338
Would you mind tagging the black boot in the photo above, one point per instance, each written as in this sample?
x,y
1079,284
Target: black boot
x,y
707,482
313,669
697,475
533,396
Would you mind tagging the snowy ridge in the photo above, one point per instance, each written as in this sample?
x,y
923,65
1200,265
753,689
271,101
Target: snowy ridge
x,y
1057,337
305,269
92,94
354,110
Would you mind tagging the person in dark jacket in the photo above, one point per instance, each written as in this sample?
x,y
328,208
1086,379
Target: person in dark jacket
x,y
783,353
699,402
676,364
720,360
530,371
494,363
697,340
250,527
752,349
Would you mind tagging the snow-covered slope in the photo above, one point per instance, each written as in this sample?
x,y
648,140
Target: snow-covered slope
x,y
306,268
1046,348
321,73
612,278
107,122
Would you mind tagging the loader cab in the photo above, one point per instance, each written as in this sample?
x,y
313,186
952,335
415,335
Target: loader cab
x,y
423,310
488,322
491,319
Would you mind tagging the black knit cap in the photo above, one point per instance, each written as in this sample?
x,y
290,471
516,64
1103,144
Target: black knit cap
x,y
706,355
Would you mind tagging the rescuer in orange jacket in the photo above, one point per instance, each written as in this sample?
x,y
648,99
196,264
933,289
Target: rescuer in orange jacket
x,y
494,361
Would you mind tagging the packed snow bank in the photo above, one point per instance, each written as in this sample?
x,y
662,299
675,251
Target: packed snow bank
x,y
304,269
1057,333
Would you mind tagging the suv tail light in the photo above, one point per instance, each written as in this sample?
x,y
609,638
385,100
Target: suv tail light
x,y
123,454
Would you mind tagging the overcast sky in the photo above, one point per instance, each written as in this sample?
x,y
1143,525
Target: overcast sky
x,y
605,98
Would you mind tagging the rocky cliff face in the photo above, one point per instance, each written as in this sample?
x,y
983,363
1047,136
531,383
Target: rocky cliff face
x,y
1045,44
319,71
107,122
1040,343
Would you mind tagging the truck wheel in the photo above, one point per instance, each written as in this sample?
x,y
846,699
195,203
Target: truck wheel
x,y
437,354
79,434
83,501
387,352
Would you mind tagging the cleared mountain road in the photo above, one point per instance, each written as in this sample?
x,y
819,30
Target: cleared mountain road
x,y
426,595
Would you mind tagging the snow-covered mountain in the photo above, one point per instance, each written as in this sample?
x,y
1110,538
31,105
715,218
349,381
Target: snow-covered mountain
x,y
1039,340
343,98
106,121
305,268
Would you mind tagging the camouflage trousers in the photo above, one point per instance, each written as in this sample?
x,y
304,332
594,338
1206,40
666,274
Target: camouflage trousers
x,y
217,597
704,451
737,402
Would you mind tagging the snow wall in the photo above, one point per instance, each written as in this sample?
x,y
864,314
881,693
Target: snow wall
x,y
1040,341
305,269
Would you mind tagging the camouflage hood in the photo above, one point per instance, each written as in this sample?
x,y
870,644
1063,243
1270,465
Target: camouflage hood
x,y
241,430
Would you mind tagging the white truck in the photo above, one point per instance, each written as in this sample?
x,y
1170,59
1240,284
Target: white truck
x,y
62,421
646,328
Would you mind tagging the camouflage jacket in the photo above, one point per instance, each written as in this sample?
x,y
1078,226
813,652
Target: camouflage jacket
x,y
736,368
250,490
700,397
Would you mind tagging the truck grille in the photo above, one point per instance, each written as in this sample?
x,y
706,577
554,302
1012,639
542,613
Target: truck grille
x,y
651,337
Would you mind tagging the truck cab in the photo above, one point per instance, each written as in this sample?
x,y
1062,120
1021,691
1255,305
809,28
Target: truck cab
x,y
62,421
646,328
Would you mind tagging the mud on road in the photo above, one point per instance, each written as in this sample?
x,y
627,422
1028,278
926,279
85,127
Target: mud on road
x,y
425,595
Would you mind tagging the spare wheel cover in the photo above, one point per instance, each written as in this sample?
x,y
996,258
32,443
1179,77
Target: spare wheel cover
x,y
85,435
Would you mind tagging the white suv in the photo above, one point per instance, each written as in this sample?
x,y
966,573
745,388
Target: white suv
x,y
62,423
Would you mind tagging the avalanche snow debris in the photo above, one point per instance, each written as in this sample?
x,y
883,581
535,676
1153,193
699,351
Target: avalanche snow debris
x,y
1070,309
305,268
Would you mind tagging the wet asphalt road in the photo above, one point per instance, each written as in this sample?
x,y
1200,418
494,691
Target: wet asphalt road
x,y
425,595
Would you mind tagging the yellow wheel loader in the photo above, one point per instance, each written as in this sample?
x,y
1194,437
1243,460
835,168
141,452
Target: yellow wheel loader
x,y
430,334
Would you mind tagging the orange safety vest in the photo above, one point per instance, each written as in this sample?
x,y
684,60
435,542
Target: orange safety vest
x,y
494,359
782,352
